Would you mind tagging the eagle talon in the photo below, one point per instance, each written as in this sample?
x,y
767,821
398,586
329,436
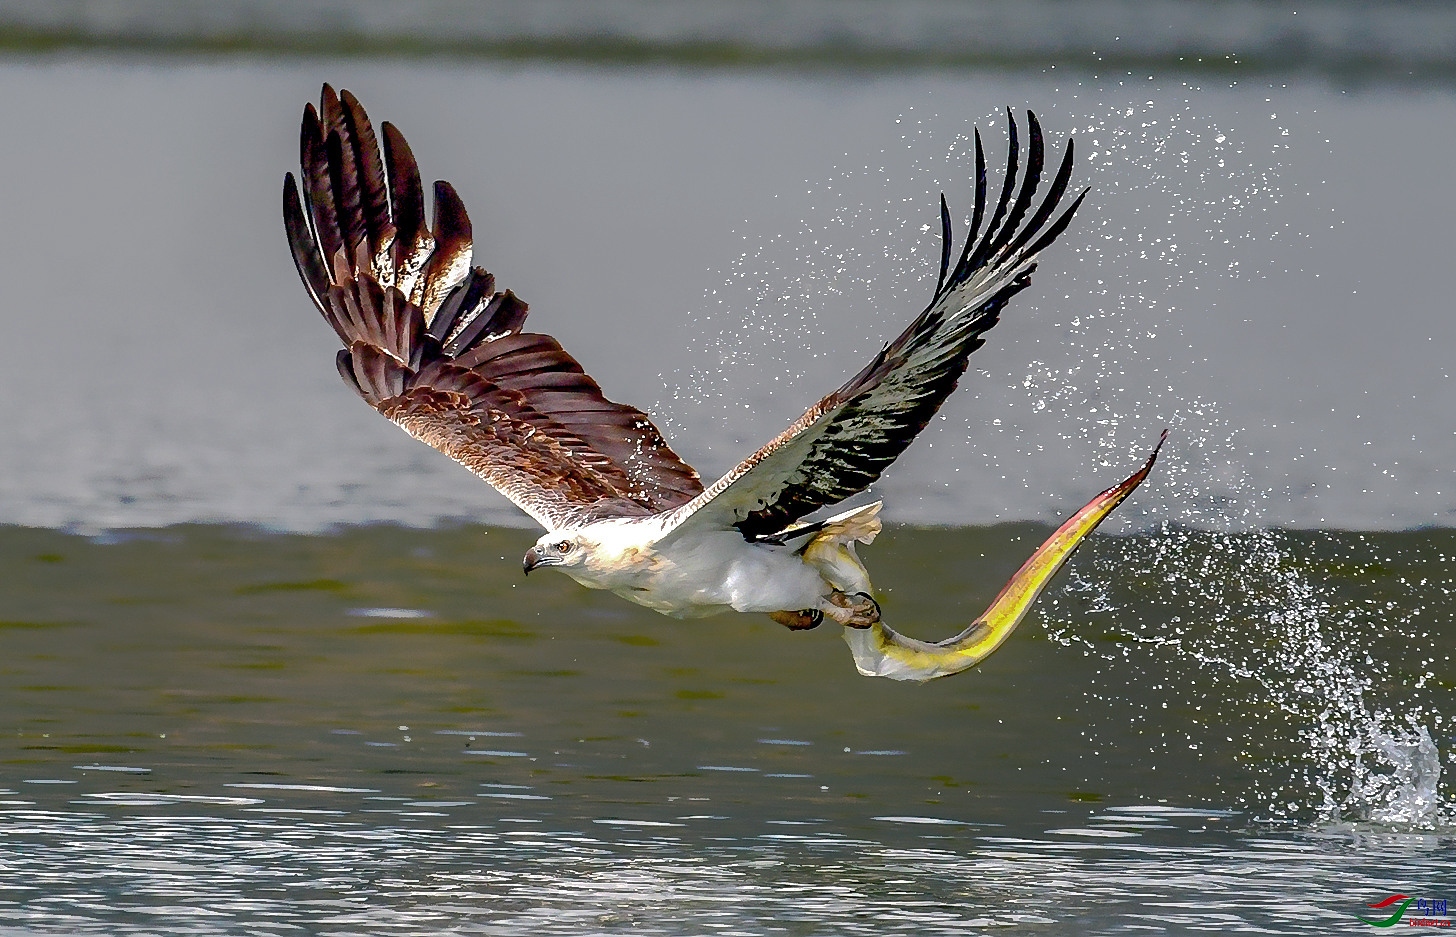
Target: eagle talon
x,y
799,621
852,611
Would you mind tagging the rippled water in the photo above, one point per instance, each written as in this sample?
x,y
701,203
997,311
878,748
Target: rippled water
x,y
390,730
1112,872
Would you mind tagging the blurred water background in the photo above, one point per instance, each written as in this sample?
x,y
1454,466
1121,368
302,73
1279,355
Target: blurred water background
x,y
269,665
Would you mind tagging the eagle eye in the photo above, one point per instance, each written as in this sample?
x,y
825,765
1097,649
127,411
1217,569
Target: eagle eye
x,y
564,546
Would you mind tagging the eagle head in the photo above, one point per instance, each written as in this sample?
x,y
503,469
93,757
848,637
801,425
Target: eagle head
x,y
555,548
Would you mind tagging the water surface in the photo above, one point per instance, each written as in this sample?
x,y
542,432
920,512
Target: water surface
x,y
391,730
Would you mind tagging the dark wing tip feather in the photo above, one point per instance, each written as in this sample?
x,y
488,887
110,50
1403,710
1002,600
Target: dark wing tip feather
x,y
317,185
452,222
946,236
345,363
449,262
344,181
1049,203
1004,234
978,213
987,243
302,245
404,184
1058,226
1035,155
309,131
373,191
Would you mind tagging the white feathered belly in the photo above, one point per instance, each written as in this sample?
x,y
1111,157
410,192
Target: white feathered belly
x,y
712,572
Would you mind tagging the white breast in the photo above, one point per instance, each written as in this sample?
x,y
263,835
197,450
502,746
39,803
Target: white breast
x,y
710,572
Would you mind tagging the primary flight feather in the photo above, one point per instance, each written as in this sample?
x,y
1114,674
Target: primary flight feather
x,y
431,344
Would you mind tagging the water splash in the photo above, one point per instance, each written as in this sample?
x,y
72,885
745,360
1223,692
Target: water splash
x,y
1288,649
1331,730
1409,795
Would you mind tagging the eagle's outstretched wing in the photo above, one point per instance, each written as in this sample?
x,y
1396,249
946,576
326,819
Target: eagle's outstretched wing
x,y
431,344
842,443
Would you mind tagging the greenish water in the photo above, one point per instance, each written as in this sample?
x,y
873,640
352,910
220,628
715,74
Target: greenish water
x,y
221,730
246,650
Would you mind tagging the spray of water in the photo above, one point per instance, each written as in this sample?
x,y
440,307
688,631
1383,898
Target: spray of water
x,y
1286,658
1248,606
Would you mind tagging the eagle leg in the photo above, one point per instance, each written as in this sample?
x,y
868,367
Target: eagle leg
x,y
798,621
853,611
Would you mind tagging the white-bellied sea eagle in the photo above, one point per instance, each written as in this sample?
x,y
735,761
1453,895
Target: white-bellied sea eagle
x,y
433,345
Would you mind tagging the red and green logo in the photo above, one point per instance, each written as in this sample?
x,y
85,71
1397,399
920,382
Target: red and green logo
x,y
1431,911
1391,921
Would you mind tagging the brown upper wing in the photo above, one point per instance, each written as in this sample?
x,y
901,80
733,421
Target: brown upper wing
x,y
842,444
430,343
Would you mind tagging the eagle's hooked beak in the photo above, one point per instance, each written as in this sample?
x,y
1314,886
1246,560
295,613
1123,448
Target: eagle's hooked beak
x,y
534,557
